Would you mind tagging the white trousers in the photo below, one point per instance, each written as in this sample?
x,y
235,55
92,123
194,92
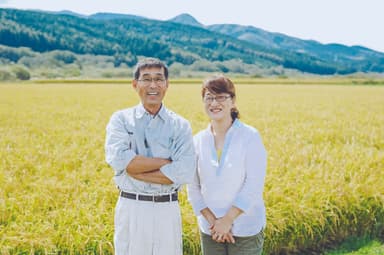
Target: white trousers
x,y
147,228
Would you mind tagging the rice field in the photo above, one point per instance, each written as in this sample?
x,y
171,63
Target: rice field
x,y
325,163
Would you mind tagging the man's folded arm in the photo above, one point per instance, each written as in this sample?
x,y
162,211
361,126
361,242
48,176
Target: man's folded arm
x,y
140,164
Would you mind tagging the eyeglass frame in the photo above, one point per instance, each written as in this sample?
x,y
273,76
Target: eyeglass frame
x,y
215,98
156,80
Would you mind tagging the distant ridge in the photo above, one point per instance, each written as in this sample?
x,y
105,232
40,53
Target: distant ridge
x,y
67,12
327,52
186,19
112,16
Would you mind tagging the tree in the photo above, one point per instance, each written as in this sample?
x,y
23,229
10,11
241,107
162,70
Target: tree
x,y
5,75
21,73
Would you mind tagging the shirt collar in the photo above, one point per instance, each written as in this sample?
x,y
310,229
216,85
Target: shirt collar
x,y
235,124
162,113
140,111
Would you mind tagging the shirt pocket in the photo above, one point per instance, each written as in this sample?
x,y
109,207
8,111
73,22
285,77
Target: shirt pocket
x,y
163,147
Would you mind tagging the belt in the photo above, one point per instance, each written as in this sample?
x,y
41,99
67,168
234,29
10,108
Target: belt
x,y
155,198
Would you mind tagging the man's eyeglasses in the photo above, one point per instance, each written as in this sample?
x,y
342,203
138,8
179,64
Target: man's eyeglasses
x,y
219,99
156,80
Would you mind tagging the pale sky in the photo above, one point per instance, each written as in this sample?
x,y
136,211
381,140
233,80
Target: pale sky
x,y
349,22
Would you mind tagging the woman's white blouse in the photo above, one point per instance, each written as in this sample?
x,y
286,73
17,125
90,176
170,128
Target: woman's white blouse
x,y
236,180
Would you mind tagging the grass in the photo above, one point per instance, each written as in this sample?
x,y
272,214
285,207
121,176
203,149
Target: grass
x,y
324,182
359,246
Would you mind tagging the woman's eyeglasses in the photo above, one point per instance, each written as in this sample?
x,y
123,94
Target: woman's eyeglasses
x,y
219,99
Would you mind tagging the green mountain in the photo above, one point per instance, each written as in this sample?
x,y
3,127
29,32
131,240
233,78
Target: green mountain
x,y
353,58
180,40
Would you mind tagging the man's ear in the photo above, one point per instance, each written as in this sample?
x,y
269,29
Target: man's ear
x,y
134,84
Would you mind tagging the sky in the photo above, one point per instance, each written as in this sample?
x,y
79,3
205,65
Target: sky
x,y
348,22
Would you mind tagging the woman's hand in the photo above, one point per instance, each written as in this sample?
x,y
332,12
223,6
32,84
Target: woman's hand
x,y
221,230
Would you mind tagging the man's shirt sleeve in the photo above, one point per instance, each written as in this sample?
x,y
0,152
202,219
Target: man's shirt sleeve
x,y
118,150
182,168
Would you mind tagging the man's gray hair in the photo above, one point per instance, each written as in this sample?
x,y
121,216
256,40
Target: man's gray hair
x,y
147,63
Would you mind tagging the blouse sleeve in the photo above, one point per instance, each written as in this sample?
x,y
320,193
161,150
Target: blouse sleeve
x,y
251,193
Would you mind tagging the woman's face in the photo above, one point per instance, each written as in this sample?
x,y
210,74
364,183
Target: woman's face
x,y
218,106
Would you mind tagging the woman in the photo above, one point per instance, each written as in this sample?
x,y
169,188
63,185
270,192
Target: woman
x,y
227,192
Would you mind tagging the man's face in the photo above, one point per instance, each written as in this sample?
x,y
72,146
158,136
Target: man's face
x,y
151,86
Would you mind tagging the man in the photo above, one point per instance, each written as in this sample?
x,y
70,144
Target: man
x,y
151,151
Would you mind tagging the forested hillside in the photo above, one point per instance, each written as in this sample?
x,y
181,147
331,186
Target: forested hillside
x,y
123,38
